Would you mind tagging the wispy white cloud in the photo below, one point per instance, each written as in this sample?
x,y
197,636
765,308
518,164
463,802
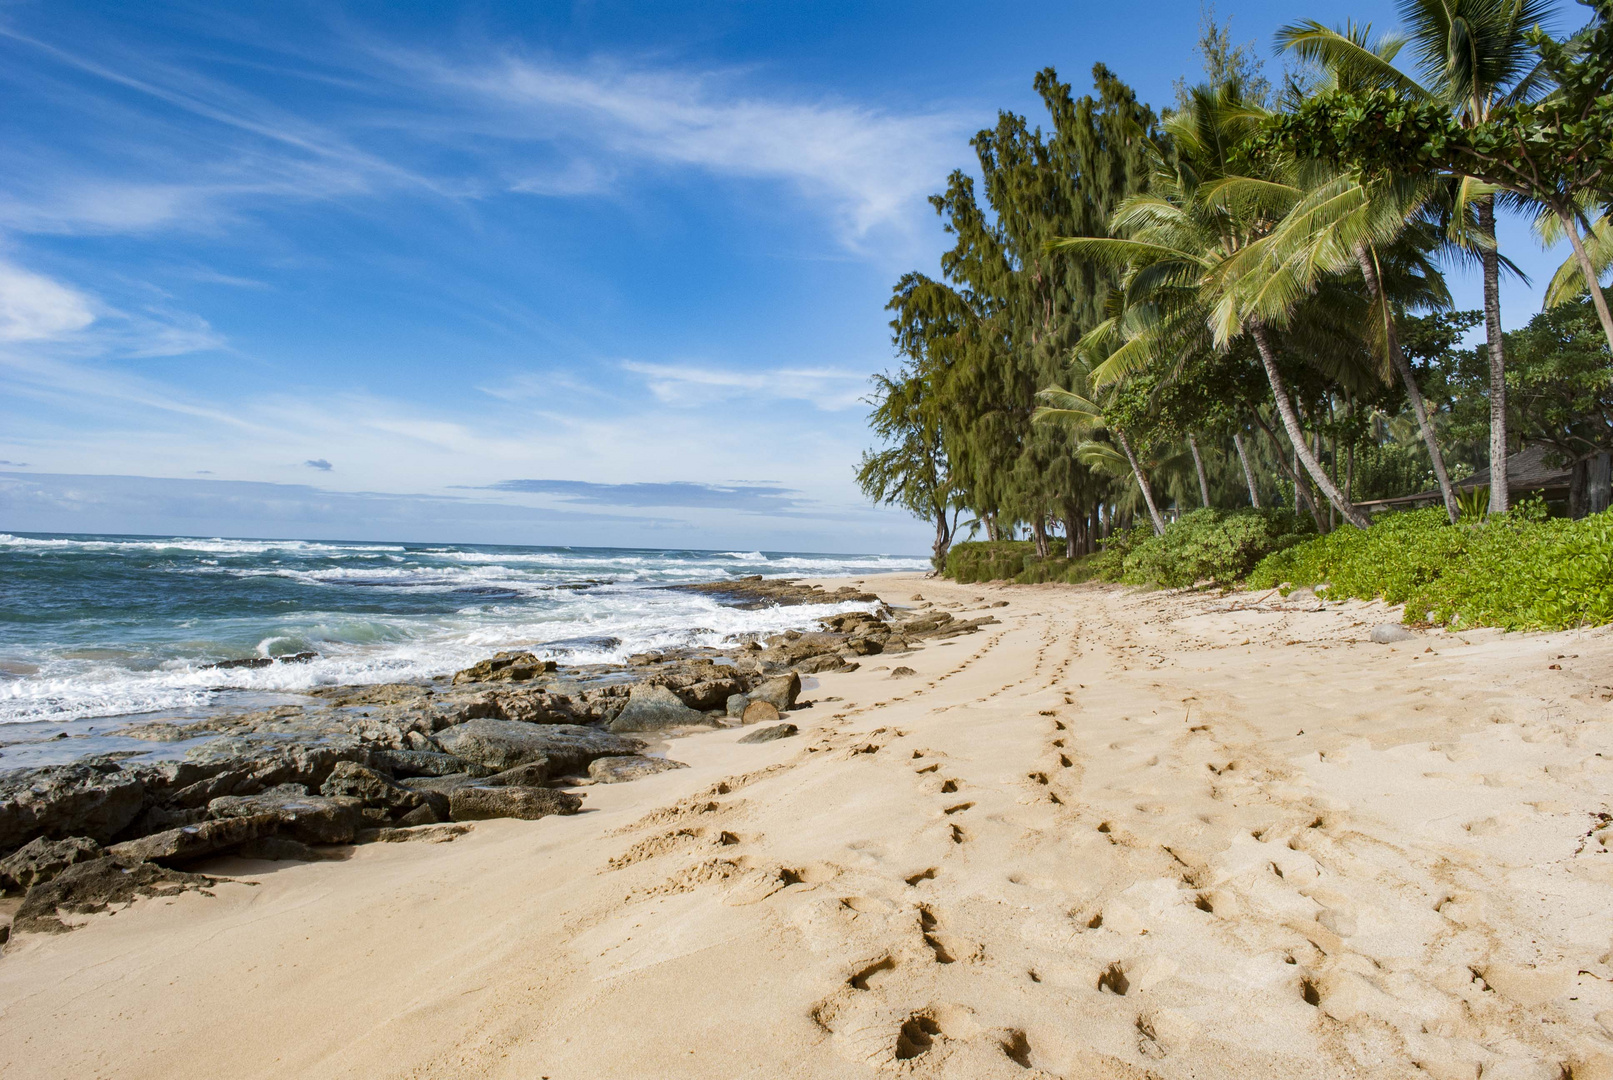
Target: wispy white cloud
x,y
34,307
692,385
872,167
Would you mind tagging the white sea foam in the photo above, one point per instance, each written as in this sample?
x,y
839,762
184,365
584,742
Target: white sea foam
x,y
373,613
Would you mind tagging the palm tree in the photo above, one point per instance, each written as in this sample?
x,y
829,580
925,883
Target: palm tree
x,y
1087,416
1191,262
1476,57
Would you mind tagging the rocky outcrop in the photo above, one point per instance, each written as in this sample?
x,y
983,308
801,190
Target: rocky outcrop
x,y
475,802
383,801
311,819
40,859
781,691
195,841
89,887
92,798
504,744
618,770
505,667
652,707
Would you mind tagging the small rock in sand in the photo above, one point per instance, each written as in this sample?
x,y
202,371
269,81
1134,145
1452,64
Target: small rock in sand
x,y
476,803
781,691
617,770
1388,633
902,671
768,734
760,712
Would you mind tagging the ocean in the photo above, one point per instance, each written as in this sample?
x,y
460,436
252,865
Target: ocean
x,y
95,627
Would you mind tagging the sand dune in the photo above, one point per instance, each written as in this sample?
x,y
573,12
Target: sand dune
x,y
1117,835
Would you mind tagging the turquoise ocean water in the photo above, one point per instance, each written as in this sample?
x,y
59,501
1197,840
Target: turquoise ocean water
x,y
120,626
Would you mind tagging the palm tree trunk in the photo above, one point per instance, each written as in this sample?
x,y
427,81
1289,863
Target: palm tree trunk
x,y
1248,473
1142,482
1498,361
1586,267
1198,463
1285,408
1397,357
1302,495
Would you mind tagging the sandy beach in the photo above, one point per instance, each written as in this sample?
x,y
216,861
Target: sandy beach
x,y
1119,834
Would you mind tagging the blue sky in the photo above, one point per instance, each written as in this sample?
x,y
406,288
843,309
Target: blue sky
x,y
595,273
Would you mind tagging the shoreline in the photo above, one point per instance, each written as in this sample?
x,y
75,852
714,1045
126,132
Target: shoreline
x,y
1147,834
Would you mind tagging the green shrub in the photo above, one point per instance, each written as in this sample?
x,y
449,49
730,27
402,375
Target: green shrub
x,y
1520,570
988,560
1220,546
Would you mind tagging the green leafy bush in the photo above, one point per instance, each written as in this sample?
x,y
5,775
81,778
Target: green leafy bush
x,y
1220,546
1520,571
988,560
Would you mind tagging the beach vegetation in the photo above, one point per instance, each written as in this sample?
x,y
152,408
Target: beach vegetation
x,y
1194,343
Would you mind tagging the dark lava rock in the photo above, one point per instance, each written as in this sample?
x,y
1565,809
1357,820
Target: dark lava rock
x,y
768,734
88,887
532,774
865,646
617,770
652,707
194,841
313,819
505,667
377,792
504,744
93,798
780,691
401,763
476,803
249,765
39,860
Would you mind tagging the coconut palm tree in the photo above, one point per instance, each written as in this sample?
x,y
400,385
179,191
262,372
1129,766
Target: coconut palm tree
x,y
1476,57
1189,260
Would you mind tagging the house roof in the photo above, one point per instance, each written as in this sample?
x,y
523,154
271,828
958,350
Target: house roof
x,y
1527,471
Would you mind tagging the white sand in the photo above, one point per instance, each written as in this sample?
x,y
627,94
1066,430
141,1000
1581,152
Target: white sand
x,y
1293,852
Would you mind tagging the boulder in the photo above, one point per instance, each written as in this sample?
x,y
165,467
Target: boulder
x,y
768,734
617,770
505,667
781,691
504,744
312,819
865,646
812,665
40,859
532,774
195,841
735,705
248,765
652,707
93,798
1388,633
89,887
760,712
535,707
402,763
375,791
473,802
